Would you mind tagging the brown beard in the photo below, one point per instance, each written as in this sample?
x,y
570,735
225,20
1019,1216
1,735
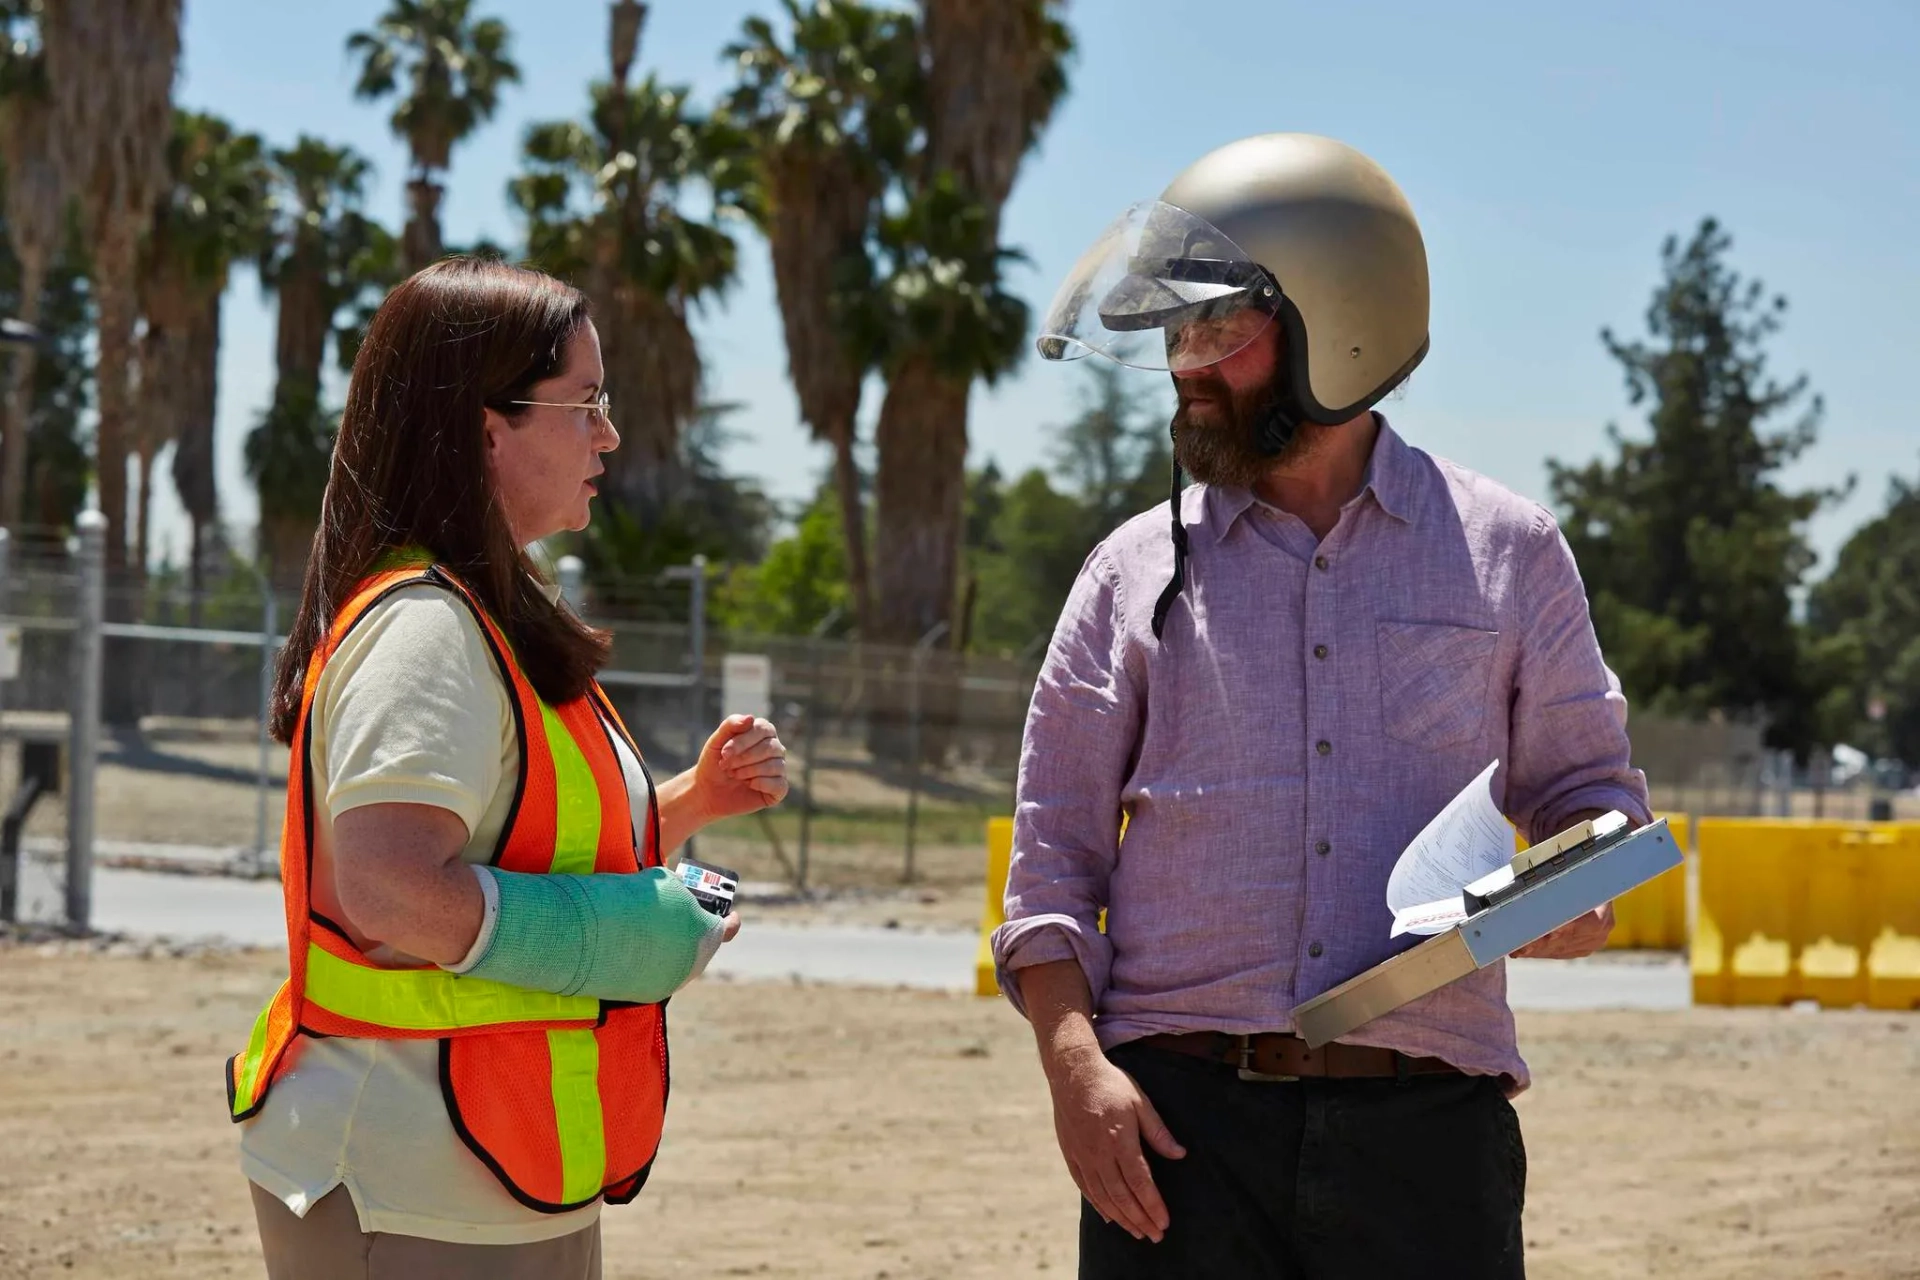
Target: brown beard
x,y
1218,445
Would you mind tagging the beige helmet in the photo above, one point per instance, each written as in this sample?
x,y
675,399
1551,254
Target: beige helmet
x,y
1283,228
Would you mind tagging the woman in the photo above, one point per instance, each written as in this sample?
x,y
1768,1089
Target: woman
x,y
469,1054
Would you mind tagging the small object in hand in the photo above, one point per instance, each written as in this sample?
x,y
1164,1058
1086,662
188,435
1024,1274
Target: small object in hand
x,y
712,887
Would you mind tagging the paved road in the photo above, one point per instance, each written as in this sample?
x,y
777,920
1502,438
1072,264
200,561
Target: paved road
x,y
249,912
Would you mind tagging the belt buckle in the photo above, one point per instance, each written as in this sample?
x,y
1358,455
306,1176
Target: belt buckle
x,y
1259,1077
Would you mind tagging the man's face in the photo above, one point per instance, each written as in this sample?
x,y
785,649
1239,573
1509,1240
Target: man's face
x,y
1220,407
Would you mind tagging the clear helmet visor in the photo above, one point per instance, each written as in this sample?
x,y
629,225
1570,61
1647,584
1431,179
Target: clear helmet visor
x,y
1160,289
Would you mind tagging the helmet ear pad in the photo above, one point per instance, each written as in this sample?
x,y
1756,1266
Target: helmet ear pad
x,y
1293,402
1287,405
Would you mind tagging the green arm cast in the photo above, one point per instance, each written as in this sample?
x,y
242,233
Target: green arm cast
x,y
615,937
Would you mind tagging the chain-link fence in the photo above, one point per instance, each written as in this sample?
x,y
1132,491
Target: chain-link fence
x,y
898,755
1722,768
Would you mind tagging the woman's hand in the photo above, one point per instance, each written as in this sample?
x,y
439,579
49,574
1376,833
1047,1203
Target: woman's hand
x,y
742,769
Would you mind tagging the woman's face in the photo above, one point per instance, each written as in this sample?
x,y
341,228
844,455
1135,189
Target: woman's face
x,y
546,461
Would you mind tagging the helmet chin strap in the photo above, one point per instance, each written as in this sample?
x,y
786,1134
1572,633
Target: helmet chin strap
x,y
1278,423
1179,578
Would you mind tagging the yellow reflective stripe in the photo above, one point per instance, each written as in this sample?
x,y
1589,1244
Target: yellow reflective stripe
x,y
576,819
431,999
246,1071
576,1113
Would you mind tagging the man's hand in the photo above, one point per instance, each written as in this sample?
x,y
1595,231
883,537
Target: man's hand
x,y
1579,937
1100,1117
1099,1113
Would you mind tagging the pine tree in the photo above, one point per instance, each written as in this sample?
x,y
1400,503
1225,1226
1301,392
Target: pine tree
x,y
1690,548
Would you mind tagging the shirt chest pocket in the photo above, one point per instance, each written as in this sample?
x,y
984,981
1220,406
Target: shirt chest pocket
x,y
1433,682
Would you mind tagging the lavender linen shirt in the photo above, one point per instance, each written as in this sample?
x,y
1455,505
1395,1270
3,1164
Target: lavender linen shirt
x,y
1311,708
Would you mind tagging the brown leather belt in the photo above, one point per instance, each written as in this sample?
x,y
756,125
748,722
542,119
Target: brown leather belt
x,y
1274,1055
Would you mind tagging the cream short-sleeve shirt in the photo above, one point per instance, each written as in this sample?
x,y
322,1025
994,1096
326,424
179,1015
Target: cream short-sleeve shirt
x,y
411,709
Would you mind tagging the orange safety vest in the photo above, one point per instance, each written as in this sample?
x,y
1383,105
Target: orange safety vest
x,y
561,1096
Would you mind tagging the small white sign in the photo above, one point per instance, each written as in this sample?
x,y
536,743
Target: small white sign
x,y
746,685
9,653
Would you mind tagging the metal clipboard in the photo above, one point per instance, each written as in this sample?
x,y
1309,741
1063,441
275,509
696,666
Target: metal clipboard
x,y
1554,882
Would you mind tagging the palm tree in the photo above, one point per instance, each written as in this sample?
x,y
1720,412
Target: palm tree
x,y
214,214
110,68
36,207
952,323
831,116
324,255
329,263
939,318
455,65
604,205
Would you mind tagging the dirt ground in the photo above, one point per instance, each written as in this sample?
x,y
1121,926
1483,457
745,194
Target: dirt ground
x,y
866,1133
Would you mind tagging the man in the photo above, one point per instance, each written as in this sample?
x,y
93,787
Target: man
x,y
1340,633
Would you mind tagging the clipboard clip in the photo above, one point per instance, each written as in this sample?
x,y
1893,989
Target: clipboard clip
x,y
1536,862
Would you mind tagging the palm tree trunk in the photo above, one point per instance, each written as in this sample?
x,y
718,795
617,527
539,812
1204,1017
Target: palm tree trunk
x,y
853,528
305,319
113,275
115,392
420,244
143,511
13,454
193,443
922,438
653,379
196,573
289,541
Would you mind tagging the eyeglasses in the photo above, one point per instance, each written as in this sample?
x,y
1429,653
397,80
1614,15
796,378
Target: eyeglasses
x,y
602,406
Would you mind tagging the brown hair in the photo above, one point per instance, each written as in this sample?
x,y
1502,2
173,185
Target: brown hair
x,y
410,466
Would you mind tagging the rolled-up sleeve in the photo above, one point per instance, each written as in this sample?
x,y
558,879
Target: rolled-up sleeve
x,y
1568,750
1081,730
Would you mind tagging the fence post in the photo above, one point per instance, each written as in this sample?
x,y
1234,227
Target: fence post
x,y
9,867
6,601
696,660
84,717
572,572
807,749
269,630
814,646
696,665
920,648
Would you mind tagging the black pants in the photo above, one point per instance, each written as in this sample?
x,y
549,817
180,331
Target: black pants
x,y
1322,1179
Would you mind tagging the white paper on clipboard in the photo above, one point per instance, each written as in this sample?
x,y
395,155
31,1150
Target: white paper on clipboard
x,y
1469,845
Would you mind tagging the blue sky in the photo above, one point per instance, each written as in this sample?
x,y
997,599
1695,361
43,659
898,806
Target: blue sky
x,y
1547,148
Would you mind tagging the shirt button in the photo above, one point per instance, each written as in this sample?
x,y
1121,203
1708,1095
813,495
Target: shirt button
x,y
1320,562
1323,848
1320,651
1315,950
1324,747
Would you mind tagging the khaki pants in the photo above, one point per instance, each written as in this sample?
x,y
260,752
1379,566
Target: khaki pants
x,y
328,1244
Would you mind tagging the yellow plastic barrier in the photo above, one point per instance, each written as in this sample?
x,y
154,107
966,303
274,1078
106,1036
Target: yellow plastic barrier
x,y
1653,916
1798,910
1893,959
994,914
